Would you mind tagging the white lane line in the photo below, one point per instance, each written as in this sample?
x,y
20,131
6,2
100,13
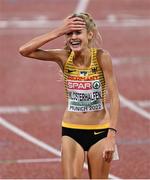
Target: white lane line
x,y
144,104
29,137
29,108
81,6
134,107
36,141
129,60
24,161
39,23
44,23
125,23
24,109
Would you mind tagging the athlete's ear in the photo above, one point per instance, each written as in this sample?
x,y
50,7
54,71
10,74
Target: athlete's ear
x,y
90,35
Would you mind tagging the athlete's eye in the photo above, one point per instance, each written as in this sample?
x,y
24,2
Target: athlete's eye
x,y
77,32
69,33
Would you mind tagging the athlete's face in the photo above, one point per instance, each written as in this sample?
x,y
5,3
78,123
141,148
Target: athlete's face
x,y
78,40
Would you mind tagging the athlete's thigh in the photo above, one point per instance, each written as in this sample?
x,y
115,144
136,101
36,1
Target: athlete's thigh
x,y
72,158
98,167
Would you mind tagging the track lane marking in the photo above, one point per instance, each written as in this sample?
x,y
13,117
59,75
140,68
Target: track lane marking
x,y
29,108
24,161
24,109
134,107
82,6
45,23
29,137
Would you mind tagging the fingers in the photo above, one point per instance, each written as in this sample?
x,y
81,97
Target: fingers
x,y
108,155
73,24
70,18
75,18
75,21
79,23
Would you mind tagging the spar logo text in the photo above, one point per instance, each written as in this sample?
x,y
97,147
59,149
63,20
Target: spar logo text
x,y
87,85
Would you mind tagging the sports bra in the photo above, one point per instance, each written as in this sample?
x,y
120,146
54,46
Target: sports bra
x,y
85,88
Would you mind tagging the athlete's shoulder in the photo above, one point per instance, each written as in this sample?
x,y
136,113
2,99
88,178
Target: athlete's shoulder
x,y
104,58
103,53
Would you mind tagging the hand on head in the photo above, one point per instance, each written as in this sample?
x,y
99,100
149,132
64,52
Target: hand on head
x,y
73,24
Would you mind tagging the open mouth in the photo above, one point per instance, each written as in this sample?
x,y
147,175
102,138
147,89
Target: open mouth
x,y
75,43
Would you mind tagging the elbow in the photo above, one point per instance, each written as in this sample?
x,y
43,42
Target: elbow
x,y
23,51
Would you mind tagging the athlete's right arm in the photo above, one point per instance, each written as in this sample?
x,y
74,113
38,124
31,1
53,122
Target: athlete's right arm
x,y
32,49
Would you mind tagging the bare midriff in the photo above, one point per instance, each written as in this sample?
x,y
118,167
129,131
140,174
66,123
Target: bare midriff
x,y
87,118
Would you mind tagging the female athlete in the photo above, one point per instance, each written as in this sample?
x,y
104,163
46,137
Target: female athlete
x,y
88,126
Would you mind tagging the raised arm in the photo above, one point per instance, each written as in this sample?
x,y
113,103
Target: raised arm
x,y
32,49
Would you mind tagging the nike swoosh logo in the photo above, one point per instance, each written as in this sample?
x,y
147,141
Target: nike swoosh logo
x,y
70,71
96,133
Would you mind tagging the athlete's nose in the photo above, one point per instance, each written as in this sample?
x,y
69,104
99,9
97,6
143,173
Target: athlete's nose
x,y
74,35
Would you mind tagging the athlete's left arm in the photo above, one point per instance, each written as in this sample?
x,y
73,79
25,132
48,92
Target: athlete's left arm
x,y
111,83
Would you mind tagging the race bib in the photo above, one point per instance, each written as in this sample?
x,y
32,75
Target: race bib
x,y
84,96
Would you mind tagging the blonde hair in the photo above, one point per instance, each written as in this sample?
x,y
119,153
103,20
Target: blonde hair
x,y
90,26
